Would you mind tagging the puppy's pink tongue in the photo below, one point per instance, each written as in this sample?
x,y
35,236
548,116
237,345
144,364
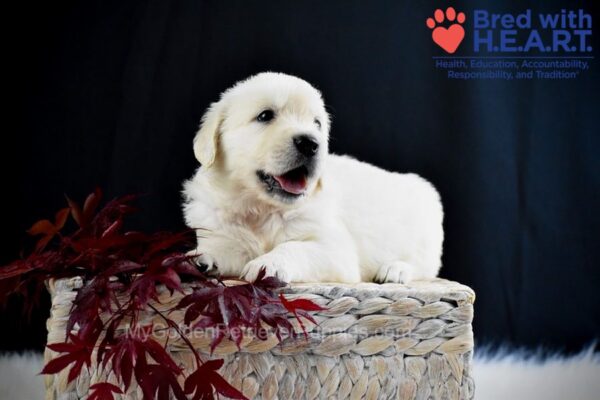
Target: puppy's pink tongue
x,y
292,184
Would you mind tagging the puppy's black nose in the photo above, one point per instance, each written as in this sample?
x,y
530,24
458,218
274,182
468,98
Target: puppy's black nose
x,y
306,145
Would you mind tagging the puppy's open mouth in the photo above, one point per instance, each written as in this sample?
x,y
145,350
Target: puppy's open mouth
x,y
292,184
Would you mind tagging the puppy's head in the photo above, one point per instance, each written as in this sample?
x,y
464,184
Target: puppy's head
x,y
267,135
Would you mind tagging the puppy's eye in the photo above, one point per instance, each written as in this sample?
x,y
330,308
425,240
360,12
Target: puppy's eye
x,y
266,116
318,123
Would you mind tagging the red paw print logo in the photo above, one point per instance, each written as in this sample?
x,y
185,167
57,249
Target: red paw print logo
x,y
447,38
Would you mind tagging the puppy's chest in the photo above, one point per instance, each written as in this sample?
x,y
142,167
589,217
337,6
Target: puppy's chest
x,y
260,234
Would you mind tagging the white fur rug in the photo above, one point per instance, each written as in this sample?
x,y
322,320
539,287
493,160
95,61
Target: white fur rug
x,y
527,376
19,377
514,376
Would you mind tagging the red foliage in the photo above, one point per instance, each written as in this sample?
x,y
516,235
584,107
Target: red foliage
x,y
230,311
103,391
120,271
78,352
299,308
48,229
206,380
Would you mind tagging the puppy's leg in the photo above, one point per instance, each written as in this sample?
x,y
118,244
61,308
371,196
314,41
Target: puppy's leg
x,y
395,272
220,256
307,261
205,262
275,263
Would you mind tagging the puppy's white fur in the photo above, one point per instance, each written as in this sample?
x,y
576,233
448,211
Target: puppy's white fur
x,y
354,222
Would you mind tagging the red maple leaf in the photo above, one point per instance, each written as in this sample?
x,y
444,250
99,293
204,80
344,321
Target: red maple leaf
x,y
144,286
226,310
78,352
48,229
206,381
131,350
266,282
103,391
95,297
158,382
84,217
16,268
230,311
299,308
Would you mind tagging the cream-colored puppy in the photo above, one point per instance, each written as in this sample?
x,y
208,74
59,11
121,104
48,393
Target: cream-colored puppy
x,y
268,194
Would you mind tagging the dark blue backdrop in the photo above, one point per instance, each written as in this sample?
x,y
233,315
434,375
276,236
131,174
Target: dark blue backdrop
x,y
110,93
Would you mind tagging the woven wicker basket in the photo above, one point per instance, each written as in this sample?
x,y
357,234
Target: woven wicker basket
x,y
374,341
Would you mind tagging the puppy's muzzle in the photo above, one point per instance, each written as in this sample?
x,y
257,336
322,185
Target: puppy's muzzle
x,y
306,145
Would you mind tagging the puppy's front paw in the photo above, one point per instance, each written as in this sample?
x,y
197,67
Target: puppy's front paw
x,y
205,262
395,272
273,267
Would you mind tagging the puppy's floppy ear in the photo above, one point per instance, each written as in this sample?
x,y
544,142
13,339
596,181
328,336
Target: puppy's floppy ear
x,y
205,142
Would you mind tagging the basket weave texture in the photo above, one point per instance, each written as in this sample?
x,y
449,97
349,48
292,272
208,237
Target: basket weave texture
x,y
373,341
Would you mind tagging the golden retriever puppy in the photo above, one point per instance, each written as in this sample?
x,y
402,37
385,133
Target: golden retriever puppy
x,y
269,194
